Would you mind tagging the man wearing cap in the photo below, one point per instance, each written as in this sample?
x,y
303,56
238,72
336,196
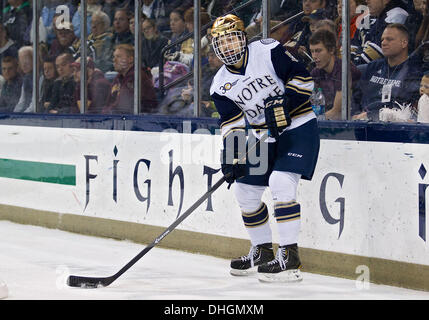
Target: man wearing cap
x,y
98,87
65,41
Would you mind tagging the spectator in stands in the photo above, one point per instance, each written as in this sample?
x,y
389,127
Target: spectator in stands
x,y
155,10
121,28
207,109
152,44
171,5
178,29
356,14
91,7
299,32
100,41
8,47
11,89
121,35
423,31
49,10
312,19
328,71
66,41
366,43
391,81
325,24
287,8
421,54
186,52
25,60
121,99
277,29
47,82
423,105
109,7
62,100
17,17
98,87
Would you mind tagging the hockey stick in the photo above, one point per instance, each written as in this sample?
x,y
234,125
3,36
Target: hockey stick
x,y
95,282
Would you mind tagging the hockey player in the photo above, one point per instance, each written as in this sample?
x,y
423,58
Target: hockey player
x,y
262,84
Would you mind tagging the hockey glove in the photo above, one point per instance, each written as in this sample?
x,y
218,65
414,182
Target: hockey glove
x,y
232,171
276,115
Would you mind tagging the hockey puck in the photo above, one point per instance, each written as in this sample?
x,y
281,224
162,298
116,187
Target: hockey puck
x,y
3,290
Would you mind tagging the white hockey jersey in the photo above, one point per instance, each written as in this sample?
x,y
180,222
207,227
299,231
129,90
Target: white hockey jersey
x,y
268,70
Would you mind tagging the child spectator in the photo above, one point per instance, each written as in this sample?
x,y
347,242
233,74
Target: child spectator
x,y
62,100
423,106
49,76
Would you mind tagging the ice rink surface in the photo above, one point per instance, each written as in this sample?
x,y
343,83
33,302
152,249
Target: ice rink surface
x,y
35,262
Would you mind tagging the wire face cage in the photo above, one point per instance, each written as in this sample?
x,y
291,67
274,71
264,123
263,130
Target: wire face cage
x,y
229,47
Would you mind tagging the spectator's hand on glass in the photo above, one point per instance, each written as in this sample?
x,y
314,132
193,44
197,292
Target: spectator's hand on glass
x,y
187,93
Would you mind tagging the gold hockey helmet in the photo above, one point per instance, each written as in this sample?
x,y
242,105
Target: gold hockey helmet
x,y
225,24
229,39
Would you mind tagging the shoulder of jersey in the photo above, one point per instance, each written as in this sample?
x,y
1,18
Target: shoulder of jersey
x,y
216,79
264,44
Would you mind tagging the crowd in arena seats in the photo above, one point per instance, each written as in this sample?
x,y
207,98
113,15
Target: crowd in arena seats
x,y
389,69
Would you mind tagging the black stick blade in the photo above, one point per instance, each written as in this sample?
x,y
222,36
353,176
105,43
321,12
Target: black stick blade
x,y
88,282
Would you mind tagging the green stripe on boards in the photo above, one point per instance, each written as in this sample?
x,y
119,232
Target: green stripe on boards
x,y
38,171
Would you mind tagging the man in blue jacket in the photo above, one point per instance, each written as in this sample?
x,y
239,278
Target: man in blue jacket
x,y
389,81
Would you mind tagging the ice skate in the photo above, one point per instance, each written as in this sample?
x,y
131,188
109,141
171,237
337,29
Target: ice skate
x,y
284,268
247,265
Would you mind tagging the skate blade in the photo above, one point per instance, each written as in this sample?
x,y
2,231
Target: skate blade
x,y
243,273
284,276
